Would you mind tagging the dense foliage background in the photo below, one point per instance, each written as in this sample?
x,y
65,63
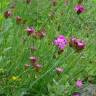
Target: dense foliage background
x,y
16,47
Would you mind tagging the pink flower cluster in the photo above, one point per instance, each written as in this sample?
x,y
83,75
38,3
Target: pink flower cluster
x,y
30,30
34,63
78,44
79,9
60,42
79,83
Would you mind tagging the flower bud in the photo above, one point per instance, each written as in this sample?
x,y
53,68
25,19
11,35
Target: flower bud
x,y
7,14
27,66
37,67
33,59
30,30
59,70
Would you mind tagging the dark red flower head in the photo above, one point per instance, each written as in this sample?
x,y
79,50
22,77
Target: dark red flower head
x,y
77,43
33,59
7,14
30,30
80,44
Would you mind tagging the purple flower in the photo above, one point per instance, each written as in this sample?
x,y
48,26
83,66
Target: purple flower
x,y
80,44
60,42
72,42
79,83
76,94
79,9
77,43
30,30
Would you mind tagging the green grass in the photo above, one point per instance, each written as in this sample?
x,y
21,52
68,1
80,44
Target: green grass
x,y
15,48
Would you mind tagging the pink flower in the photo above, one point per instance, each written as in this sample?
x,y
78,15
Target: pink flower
x,y
60,42
80,44
33,59
26,66
79,83
76,94
77,43
38,67
59,70
30,30
40,34
79,9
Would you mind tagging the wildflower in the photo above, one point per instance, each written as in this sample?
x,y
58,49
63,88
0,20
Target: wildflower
x,y
72,42
37,67
27,66
79,9
33,59
60,42
59,70
7,14
80,44
30,30
18,19
79,83
76,94
41,34
77,43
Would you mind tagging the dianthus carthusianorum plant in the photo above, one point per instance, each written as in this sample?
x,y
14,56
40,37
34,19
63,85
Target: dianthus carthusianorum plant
x,y
47,47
